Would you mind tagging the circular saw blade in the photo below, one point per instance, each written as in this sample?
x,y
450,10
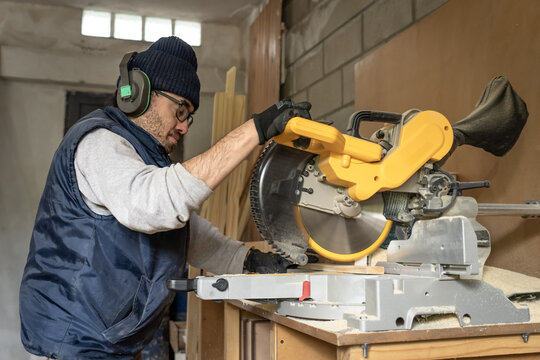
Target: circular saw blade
x,y
291,228
346,239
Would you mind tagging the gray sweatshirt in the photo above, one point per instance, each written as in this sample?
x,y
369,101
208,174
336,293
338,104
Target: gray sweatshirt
x,y
114,180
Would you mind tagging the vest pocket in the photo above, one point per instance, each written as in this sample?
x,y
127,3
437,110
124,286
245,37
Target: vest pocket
x,y
129,325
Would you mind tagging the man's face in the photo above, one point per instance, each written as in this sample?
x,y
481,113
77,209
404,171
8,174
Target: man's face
x,y
161,120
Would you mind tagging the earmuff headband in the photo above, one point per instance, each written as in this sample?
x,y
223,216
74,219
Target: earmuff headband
x,y
125,81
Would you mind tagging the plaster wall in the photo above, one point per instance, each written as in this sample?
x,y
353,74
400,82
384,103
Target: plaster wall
x,y
42,56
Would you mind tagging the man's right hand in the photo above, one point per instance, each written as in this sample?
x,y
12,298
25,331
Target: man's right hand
x,y
273,120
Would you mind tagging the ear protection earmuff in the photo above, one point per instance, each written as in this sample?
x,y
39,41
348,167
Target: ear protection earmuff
x,y
133,92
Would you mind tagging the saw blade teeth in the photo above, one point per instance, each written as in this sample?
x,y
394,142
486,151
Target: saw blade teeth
x,y
266,225
254,195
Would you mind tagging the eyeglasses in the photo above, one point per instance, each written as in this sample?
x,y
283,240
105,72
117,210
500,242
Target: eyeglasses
x,y
182,113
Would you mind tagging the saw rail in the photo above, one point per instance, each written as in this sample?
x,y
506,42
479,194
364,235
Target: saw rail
x,y
528,210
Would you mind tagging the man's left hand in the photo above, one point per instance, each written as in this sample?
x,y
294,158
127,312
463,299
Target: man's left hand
x,y
265,263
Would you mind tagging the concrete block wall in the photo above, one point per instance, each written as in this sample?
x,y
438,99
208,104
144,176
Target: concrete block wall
x,y
325,38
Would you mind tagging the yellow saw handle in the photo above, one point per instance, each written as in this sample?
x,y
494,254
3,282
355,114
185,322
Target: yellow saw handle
x,y
356,163
325,138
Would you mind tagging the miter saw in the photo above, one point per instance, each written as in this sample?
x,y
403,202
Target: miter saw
x,y
343,196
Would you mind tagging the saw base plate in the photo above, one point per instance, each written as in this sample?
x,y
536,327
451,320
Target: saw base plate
x,y
392,302
370,302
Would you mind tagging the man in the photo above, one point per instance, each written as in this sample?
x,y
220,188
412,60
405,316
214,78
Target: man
x,y
116,216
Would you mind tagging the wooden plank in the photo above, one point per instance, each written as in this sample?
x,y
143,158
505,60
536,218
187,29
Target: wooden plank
x,y
219,103
239,110
248,338
263,85
349,269
230,81
255,336
204,210
263,339
245,211
234,185
445,349
231,330
264,58
222,209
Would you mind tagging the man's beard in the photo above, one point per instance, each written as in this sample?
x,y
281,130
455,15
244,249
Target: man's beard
x,y
170,146
153,124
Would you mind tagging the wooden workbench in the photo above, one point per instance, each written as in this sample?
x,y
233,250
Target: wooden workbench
x,y
256,331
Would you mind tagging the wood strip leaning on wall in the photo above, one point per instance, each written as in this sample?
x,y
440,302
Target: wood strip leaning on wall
x,y
205,318
263,90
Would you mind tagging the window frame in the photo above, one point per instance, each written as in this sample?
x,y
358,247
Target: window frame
x,y
113,14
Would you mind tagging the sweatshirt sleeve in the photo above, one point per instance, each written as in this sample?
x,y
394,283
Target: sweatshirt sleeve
x,y
209,249
114,180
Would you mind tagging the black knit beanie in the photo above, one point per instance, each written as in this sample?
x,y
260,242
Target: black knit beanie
x,y
171,65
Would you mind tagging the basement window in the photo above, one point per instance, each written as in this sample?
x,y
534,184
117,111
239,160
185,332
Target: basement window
x,y
96,23
189,31
136,27
155,27
128,27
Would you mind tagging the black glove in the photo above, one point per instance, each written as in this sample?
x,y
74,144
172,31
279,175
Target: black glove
x,y
265,263
272,121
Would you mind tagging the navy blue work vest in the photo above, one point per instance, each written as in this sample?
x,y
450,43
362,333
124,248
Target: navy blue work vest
x,y
92,288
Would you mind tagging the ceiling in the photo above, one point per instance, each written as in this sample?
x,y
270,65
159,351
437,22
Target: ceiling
x,y
219,11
